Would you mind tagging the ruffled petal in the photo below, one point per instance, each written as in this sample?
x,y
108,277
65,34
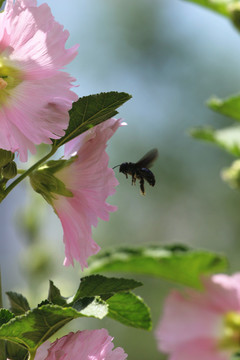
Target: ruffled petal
x,y
87,344
34,108
91,181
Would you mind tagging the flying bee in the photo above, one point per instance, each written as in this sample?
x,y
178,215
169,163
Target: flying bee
x,y
140,170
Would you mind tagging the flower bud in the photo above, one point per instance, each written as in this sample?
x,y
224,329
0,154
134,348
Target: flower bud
x,y
5,157
9,171
234,11
45,183
232,175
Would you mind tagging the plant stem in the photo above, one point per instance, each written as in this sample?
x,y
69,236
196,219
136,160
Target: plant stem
x,y
27,173
32,354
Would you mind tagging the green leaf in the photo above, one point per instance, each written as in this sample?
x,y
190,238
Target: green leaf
x,y
37,325
19,304
130,310
54,295
100,285
219,6
174,263
227,138
15,352
236,356
229,107
91,306
5,316
101,288
91,110
3,355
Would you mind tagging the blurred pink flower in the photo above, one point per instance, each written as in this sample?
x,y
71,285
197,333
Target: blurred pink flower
x,y
202,325
35,96
91,181
82,345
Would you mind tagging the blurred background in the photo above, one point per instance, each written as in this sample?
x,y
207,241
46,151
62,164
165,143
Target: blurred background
x,y
171,56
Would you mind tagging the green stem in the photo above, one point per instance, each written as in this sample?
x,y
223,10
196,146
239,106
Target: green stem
x,y
32,354
27,173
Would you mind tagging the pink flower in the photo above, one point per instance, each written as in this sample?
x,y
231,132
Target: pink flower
x,y
202,325
82,345
90,181
35,95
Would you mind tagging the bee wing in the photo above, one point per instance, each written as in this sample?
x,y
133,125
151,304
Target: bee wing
x,y
147,160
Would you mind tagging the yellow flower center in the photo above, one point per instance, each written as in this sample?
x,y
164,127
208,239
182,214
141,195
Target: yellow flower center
x,y
10,77
231,334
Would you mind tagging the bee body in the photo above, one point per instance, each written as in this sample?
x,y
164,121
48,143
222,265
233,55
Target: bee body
x,y
139,171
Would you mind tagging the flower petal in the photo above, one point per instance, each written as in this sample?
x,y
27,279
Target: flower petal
x,y
91,182
202,324
34,106
83,345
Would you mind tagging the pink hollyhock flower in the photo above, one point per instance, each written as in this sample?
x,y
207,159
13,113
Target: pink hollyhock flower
x,y
35,96
202,325
90,181
82,345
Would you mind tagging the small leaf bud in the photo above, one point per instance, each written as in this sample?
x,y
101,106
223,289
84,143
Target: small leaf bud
x,y
9,171
231,175
5,157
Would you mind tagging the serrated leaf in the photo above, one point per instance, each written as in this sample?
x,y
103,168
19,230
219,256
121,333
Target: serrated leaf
x,y
227,138
219,6
228,107
19,304
91,110
97,305
174,263
37,325
44,302
130,310
5,316
98,285
55,296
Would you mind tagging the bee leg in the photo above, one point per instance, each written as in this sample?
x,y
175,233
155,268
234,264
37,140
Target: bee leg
x,y
142,186
134,179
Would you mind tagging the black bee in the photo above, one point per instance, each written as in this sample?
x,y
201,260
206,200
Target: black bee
x,y
139,170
